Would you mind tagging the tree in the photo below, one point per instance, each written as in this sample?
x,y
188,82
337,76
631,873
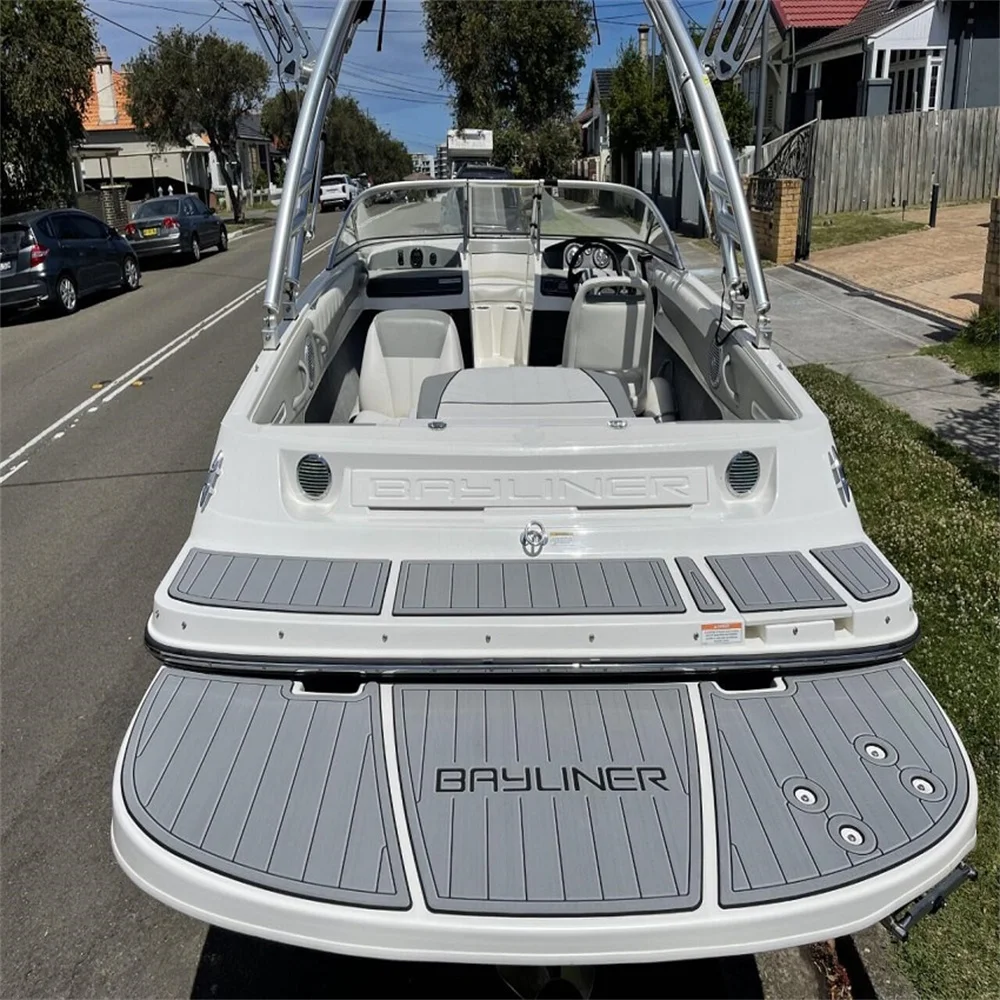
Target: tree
x,y
513,66
355,144
737,113
640,115
187,83
279,115
46,59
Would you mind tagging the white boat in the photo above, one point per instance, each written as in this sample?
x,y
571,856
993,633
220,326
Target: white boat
x,y
526,615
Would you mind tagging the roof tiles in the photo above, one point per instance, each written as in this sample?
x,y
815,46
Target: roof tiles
x,y
91,116
816,13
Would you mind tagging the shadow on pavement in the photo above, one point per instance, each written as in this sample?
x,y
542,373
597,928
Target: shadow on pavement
x,y
977,431
234,965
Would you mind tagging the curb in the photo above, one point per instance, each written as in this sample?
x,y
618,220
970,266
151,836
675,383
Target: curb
x,y
872,950
951,322
246,232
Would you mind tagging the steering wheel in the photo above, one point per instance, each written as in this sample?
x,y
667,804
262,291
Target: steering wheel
x,y
573,278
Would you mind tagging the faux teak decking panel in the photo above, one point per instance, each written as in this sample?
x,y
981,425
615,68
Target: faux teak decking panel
x,y
537,587
833,780
283,790
559,800
281,583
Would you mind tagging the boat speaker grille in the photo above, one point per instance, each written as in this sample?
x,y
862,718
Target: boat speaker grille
x,y
310,361
314,476
743,472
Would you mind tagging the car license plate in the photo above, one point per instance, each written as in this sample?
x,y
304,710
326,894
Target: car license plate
x,y
149,232
6,265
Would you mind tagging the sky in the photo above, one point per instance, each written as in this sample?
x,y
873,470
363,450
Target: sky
x,y
398,87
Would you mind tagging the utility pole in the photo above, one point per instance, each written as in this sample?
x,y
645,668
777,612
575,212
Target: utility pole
x,y
758,153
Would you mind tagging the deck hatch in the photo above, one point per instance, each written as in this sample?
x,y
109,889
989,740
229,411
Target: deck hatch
x,y
799,813
857,568
537,587
276,583
772,581
286,791
558,800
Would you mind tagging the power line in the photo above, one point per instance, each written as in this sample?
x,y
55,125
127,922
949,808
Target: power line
x,y
110,20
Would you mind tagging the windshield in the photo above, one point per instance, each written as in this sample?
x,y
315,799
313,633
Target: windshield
x,y
397,213
157,207
505,208
334,179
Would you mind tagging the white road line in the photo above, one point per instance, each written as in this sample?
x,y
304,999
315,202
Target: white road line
x,y
10,472
247,232
119,384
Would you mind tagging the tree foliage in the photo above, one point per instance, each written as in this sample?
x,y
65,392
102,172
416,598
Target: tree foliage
x,y
642,114
189,83
355,144
737,113
46,59
513,67
279,114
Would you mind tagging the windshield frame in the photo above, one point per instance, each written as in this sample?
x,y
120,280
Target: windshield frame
x,y
652,217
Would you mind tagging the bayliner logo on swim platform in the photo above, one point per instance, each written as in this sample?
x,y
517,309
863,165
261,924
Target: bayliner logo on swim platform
x,y
551,778
633,488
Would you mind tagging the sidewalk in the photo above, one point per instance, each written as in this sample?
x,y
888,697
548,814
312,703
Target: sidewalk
x,y
940,269
819,322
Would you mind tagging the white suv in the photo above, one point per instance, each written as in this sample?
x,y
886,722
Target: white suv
x,y
335,191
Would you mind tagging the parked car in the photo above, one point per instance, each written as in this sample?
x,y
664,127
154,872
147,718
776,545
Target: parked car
x,y
181,224
335,191
58,256
483,171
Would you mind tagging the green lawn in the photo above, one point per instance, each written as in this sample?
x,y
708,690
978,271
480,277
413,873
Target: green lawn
x,y
975,349
857,227
934,512
977,360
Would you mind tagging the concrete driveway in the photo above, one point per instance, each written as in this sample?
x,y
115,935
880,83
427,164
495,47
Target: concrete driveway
x,y
816,321
939,269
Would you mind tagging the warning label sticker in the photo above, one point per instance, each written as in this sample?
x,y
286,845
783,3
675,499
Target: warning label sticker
x,y
722,633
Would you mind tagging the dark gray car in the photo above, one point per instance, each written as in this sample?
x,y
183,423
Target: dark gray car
x,y
181,224
57,256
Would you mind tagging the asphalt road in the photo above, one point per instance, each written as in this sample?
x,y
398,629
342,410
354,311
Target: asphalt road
x,y
90,522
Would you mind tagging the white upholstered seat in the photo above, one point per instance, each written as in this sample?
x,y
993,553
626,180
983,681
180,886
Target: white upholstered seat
x,y
402,348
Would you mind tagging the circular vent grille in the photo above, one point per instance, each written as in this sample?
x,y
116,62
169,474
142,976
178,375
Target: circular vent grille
x,y
742,472
310,358
314,475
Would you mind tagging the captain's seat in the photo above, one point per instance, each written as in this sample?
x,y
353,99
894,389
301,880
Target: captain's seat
x,y
402,348
610,328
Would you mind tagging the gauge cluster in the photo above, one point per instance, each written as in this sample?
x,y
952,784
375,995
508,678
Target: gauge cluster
x,y
414,258
559,256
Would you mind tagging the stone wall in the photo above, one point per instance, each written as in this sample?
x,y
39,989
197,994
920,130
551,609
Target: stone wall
x,y
991,270
774,214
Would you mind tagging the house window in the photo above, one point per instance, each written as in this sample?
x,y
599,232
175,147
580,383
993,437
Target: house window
x,y
915,81
932,93
880,64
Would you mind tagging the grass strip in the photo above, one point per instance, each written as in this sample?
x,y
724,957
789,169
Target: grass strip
x,y
934,512
844,228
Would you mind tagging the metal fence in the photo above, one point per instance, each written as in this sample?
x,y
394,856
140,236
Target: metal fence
x,y
869,163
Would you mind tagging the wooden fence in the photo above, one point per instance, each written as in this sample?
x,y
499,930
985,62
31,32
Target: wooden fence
x,y
868,163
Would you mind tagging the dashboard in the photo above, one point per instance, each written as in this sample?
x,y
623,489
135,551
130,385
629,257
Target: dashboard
x,y
558,256
595,261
